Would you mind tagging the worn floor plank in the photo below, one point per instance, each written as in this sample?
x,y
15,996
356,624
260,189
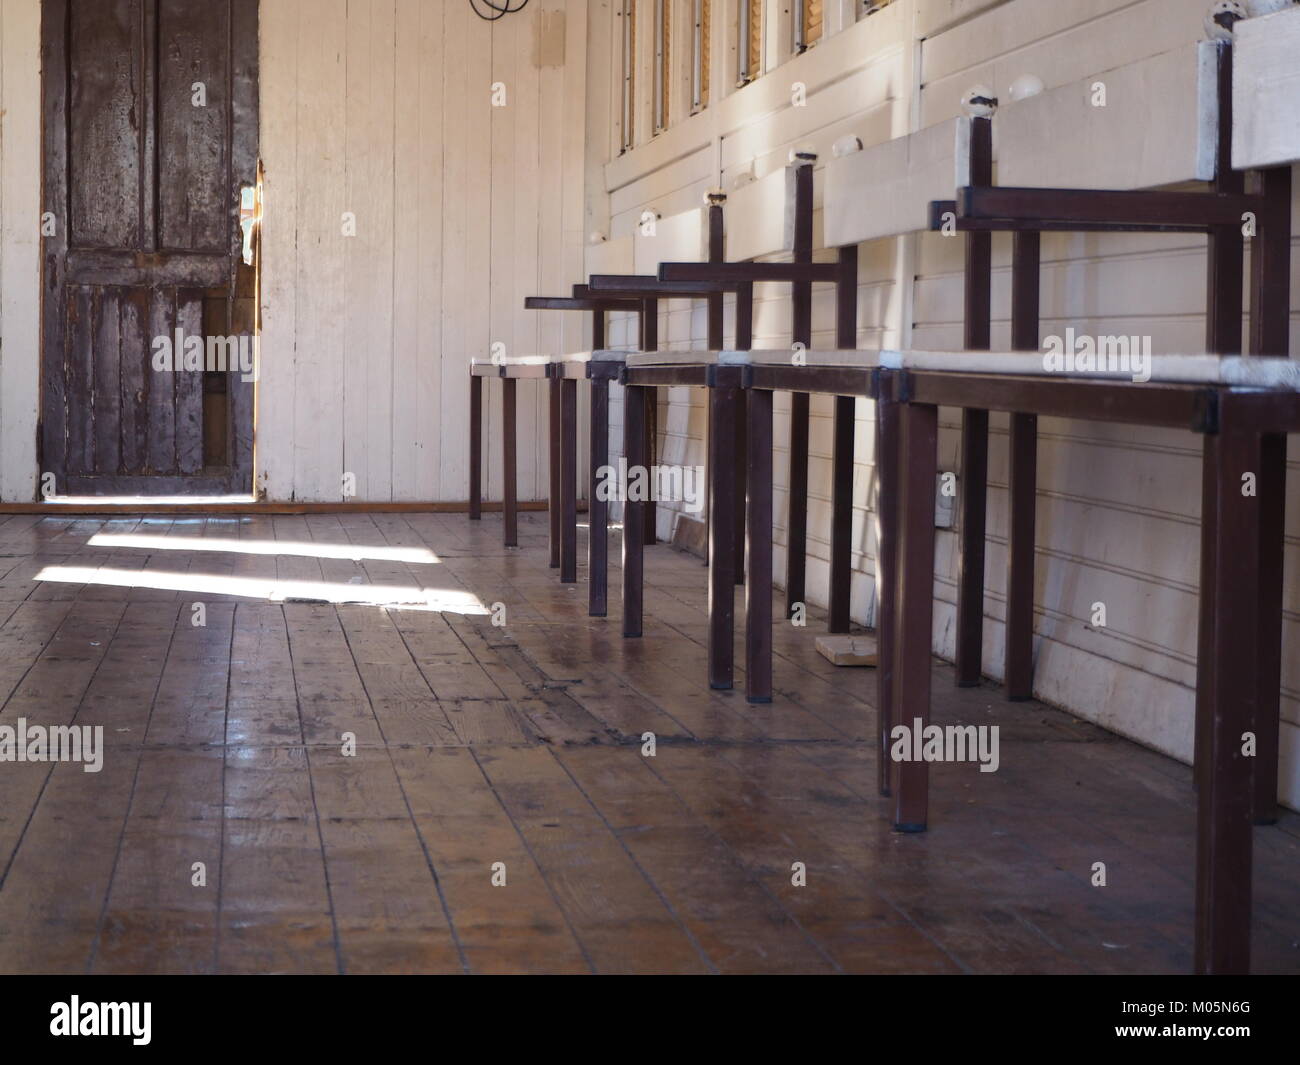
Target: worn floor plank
x,y
408,789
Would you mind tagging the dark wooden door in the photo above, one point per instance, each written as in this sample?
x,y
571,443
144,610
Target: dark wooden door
x,y
150,135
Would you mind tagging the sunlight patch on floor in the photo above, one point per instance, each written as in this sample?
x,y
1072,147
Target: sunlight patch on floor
x,y
312,549
271,589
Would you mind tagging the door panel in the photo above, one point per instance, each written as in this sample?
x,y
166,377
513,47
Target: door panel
x,y
194,205
105,127
150,132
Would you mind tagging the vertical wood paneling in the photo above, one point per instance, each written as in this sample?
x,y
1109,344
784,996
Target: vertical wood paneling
x,y
576,334
368,382
481,48
162,386
436,112
20,209
459,87
79,377
108,380
279,243
503,286
322,296
135,374
525,231
189,388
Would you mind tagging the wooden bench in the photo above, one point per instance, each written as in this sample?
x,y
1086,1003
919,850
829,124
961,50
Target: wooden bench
x,y
639,295
1026,211
730,454
1235,420
1243,408
598,368
741,385
562,419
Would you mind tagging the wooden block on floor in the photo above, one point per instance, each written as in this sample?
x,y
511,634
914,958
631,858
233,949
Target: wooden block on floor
x,y
848,650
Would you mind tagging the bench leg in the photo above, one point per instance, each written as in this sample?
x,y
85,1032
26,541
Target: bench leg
x,y
568,481
796,559
740,470
1018,663
914,603
509,460
1270,334
887,471
842,516
475,448
598,507
556,464
634,444
758,549
1023,499
651,510
1271,489
723,413
1225,701
970,562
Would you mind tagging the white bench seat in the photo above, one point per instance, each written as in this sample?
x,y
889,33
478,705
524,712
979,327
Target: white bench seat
x,y
1266,91
1160,126
1258,372
859,359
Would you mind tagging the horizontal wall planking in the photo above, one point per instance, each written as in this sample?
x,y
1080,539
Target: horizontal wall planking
x,y
868,126
1057,42
938,254
1145,608
1113,647
1144,708
663,189
936,16
1125,291
683,141
1112,465
867,97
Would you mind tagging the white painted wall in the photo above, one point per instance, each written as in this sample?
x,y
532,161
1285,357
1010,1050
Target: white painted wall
x,y
20,197
382,108
1118,507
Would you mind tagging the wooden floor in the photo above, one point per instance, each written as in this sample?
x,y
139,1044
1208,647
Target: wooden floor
x,y
477,745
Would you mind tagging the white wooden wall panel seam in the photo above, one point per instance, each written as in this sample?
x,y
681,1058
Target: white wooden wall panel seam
x,y
20,220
